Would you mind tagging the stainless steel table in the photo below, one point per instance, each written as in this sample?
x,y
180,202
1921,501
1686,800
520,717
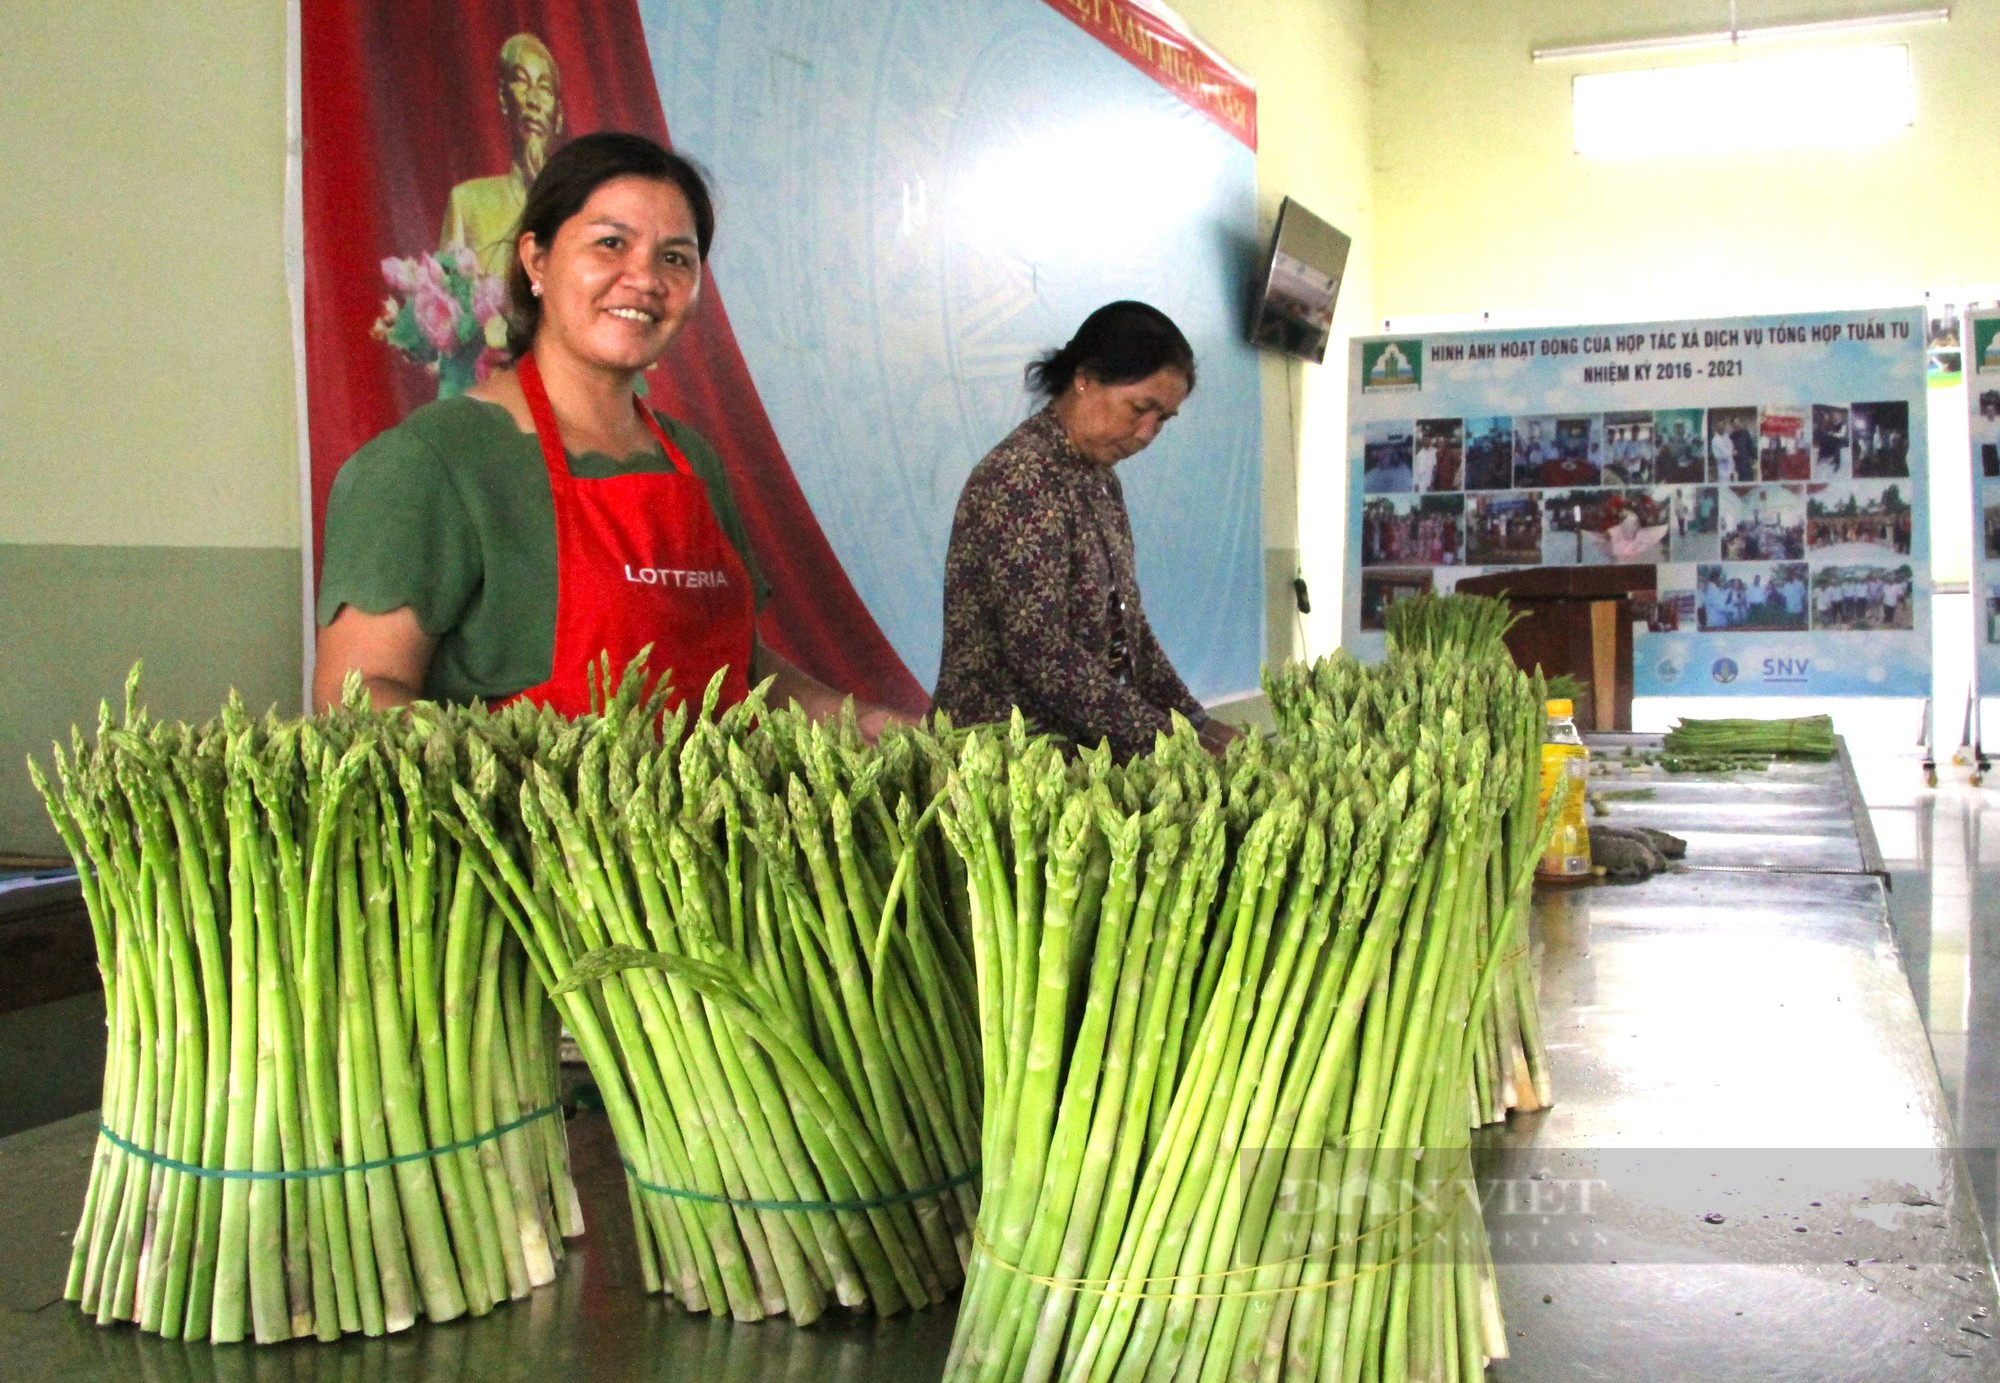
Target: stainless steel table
x,y
1741,1045
592,1323
1798,817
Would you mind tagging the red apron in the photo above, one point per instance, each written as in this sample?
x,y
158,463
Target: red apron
x,y
640,560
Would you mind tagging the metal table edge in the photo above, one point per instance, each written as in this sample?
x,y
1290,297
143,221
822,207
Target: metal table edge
x,y
1864,825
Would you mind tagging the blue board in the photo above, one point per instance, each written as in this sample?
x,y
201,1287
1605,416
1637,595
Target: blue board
x,y
914,200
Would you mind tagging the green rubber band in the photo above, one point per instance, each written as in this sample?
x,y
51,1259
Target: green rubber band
x,y
309,1173
879,1203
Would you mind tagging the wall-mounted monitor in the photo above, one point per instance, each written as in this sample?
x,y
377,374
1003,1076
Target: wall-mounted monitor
x,y
1294,312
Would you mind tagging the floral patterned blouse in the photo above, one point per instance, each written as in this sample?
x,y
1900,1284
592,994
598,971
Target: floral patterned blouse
x,y
1041,601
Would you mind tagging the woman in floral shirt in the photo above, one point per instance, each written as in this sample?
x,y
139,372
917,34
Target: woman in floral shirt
x,y
1041,599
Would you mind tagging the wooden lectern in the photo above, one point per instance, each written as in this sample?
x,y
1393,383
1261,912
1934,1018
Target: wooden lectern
x,y
1577,620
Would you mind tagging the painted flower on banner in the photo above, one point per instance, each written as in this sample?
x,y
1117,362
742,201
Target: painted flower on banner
x,y
445,315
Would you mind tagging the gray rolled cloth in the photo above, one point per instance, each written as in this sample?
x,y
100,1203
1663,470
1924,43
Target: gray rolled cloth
x,y
1631,853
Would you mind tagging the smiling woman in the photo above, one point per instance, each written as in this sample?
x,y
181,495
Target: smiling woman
x,y
496,545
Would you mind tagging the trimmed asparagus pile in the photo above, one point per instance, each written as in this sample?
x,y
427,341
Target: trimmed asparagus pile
x,y
1238,1021
303,974
751,928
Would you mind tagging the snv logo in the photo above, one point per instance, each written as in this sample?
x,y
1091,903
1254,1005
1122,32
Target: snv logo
x,y
1786,669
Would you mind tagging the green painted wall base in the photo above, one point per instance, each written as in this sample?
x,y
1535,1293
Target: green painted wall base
x,y
73,620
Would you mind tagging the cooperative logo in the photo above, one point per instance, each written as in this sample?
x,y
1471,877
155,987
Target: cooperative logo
x,y
1669,669
1723,670
1391,365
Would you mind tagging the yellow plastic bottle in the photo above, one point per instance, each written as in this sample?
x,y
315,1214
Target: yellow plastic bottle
x,y
1563,755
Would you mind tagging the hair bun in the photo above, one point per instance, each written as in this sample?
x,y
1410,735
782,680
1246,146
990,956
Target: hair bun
x,y
1120,343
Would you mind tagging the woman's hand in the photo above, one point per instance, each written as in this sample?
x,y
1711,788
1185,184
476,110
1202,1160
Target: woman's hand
x,y
876,720
1216,736
791,684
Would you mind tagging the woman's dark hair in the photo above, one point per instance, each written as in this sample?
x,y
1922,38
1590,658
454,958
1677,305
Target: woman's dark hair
x,y
565,183
1120,343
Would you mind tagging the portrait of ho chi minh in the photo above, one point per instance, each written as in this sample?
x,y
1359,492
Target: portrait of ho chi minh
x,y
482,212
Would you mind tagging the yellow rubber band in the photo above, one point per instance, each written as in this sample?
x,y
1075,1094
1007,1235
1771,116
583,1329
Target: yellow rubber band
x,y
1119,1289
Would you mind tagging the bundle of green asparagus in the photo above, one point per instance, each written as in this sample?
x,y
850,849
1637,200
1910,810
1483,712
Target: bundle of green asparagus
x,y
1512,1072
1470,624
1710,745
329,1089
1237,1026
1512,1060
751,928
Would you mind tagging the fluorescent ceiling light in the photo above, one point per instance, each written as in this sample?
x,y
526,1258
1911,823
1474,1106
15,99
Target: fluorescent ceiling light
x,y
1733,35
1829,98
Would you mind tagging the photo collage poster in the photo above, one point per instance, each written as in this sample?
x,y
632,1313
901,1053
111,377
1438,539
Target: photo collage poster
x,y
1982,398
1772,469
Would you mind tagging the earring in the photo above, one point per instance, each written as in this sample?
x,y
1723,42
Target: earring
x,y
536,289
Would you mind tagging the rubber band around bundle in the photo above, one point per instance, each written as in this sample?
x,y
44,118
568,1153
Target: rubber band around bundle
x,y
1115,1288
740,1203
1119,1289
147,1155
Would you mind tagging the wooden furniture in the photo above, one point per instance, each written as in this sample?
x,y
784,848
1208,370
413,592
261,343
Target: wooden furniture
x,y
1578,620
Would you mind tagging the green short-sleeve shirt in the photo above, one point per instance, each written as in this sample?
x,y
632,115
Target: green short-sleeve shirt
x,y
449,513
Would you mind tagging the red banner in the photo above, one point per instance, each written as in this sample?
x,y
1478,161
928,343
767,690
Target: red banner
x,y
1172,57
414,142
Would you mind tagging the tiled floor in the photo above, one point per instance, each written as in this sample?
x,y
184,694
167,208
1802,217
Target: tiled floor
x,y
1942,848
